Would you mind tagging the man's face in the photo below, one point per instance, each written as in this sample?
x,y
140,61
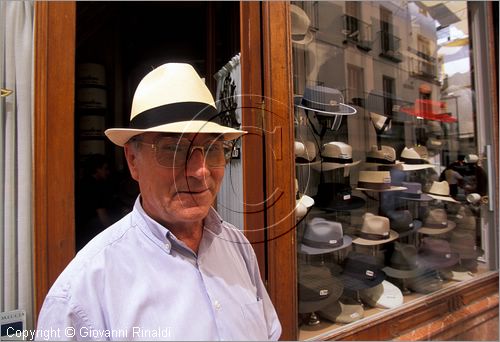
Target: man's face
x,y
174,195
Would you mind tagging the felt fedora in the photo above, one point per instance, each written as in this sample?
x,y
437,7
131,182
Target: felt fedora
x,y
324,101
436,222
436,254
375,231
441,191
402,222
345,310
377,181
361,271
335,155
323,236
317,287
385,155
413,161
425,283
403,262
464,244
414,192
172,99
385,296
337,197
301,26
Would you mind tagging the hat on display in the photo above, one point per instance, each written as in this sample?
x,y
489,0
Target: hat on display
x,y
413,161
471,159
301,24
414,192
403,262
345,310
456,273
302,205
376,230
305,153
425,283
436,254
385,296
336,154
323,236
377,181
317,288
436,222
464,244
381,123
361,271
441,191
434,143
402,222
422,152
325,101
337,197
385,155
172,99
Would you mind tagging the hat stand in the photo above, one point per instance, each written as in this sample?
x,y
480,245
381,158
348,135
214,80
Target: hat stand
x,y
313,319
404,287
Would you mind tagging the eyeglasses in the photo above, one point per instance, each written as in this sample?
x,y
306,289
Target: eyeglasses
x,y
174,152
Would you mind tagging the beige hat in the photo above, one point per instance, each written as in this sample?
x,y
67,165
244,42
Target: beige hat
x,y
375,231
377,181
413,161
335,155
436,222
380,122
385,296
172,99
441,191
385,155
301,32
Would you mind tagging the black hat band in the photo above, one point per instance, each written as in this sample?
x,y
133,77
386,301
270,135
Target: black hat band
x,y
323,244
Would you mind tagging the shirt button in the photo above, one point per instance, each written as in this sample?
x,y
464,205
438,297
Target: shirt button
x,y
217,305
167,246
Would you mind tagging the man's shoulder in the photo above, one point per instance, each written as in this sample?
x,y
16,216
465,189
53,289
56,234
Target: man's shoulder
x,y
93,258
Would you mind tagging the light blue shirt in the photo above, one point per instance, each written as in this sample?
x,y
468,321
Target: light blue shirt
x,y
136,281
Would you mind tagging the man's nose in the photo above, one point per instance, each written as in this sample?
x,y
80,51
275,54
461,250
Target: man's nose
x,y
196,164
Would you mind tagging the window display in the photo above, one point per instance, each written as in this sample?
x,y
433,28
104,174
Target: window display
x,y
386,154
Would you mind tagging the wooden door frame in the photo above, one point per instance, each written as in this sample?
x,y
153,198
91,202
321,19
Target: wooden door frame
x,y
54,68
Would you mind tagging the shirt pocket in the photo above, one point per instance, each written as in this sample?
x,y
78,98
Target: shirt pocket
x,y
255,320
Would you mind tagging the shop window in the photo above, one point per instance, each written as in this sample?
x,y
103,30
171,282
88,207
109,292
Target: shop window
x,y
388,160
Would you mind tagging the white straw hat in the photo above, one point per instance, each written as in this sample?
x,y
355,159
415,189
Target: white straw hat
x,y
413,160
441,191
377,181
301,26
336,154
172,99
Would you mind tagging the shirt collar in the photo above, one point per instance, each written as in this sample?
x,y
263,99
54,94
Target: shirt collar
x,y
213,223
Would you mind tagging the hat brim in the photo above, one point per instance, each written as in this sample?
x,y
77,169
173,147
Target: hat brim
x,y
423,198
312,163
403,274
333,166
356,284
347,241
389,298
371,164
353,203
392,188
415,167
343,311
393,235
435,231
444,198
308,37
336,288
120,136
351,110
428,261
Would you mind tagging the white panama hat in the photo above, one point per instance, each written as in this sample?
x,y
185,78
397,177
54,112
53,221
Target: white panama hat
x,y
301,26
172,99
441,191
413,160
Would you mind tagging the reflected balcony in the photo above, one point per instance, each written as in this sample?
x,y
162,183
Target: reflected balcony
x,y
357,32
389,47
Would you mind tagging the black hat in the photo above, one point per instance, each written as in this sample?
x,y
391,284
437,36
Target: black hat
x,y
403,263
361,271
436,254
337,197
318,288
402,222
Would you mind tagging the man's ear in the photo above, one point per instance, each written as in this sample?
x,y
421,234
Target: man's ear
x,y
131,154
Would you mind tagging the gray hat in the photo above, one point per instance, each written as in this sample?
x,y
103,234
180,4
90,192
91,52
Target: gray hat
x,y
325,101
323,236
345,310
318,288
403,262
414,192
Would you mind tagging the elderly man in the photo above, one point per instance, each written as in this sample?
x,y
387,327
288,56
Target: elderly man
x,y
172,268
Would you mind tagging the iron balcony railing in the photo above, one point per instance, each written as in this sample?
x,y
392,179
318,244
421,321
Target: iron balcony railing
x,y
389,46
358,32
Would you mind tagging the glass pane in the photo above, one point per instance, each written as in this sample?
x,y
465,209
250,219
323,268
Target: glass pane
x,y
391,182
